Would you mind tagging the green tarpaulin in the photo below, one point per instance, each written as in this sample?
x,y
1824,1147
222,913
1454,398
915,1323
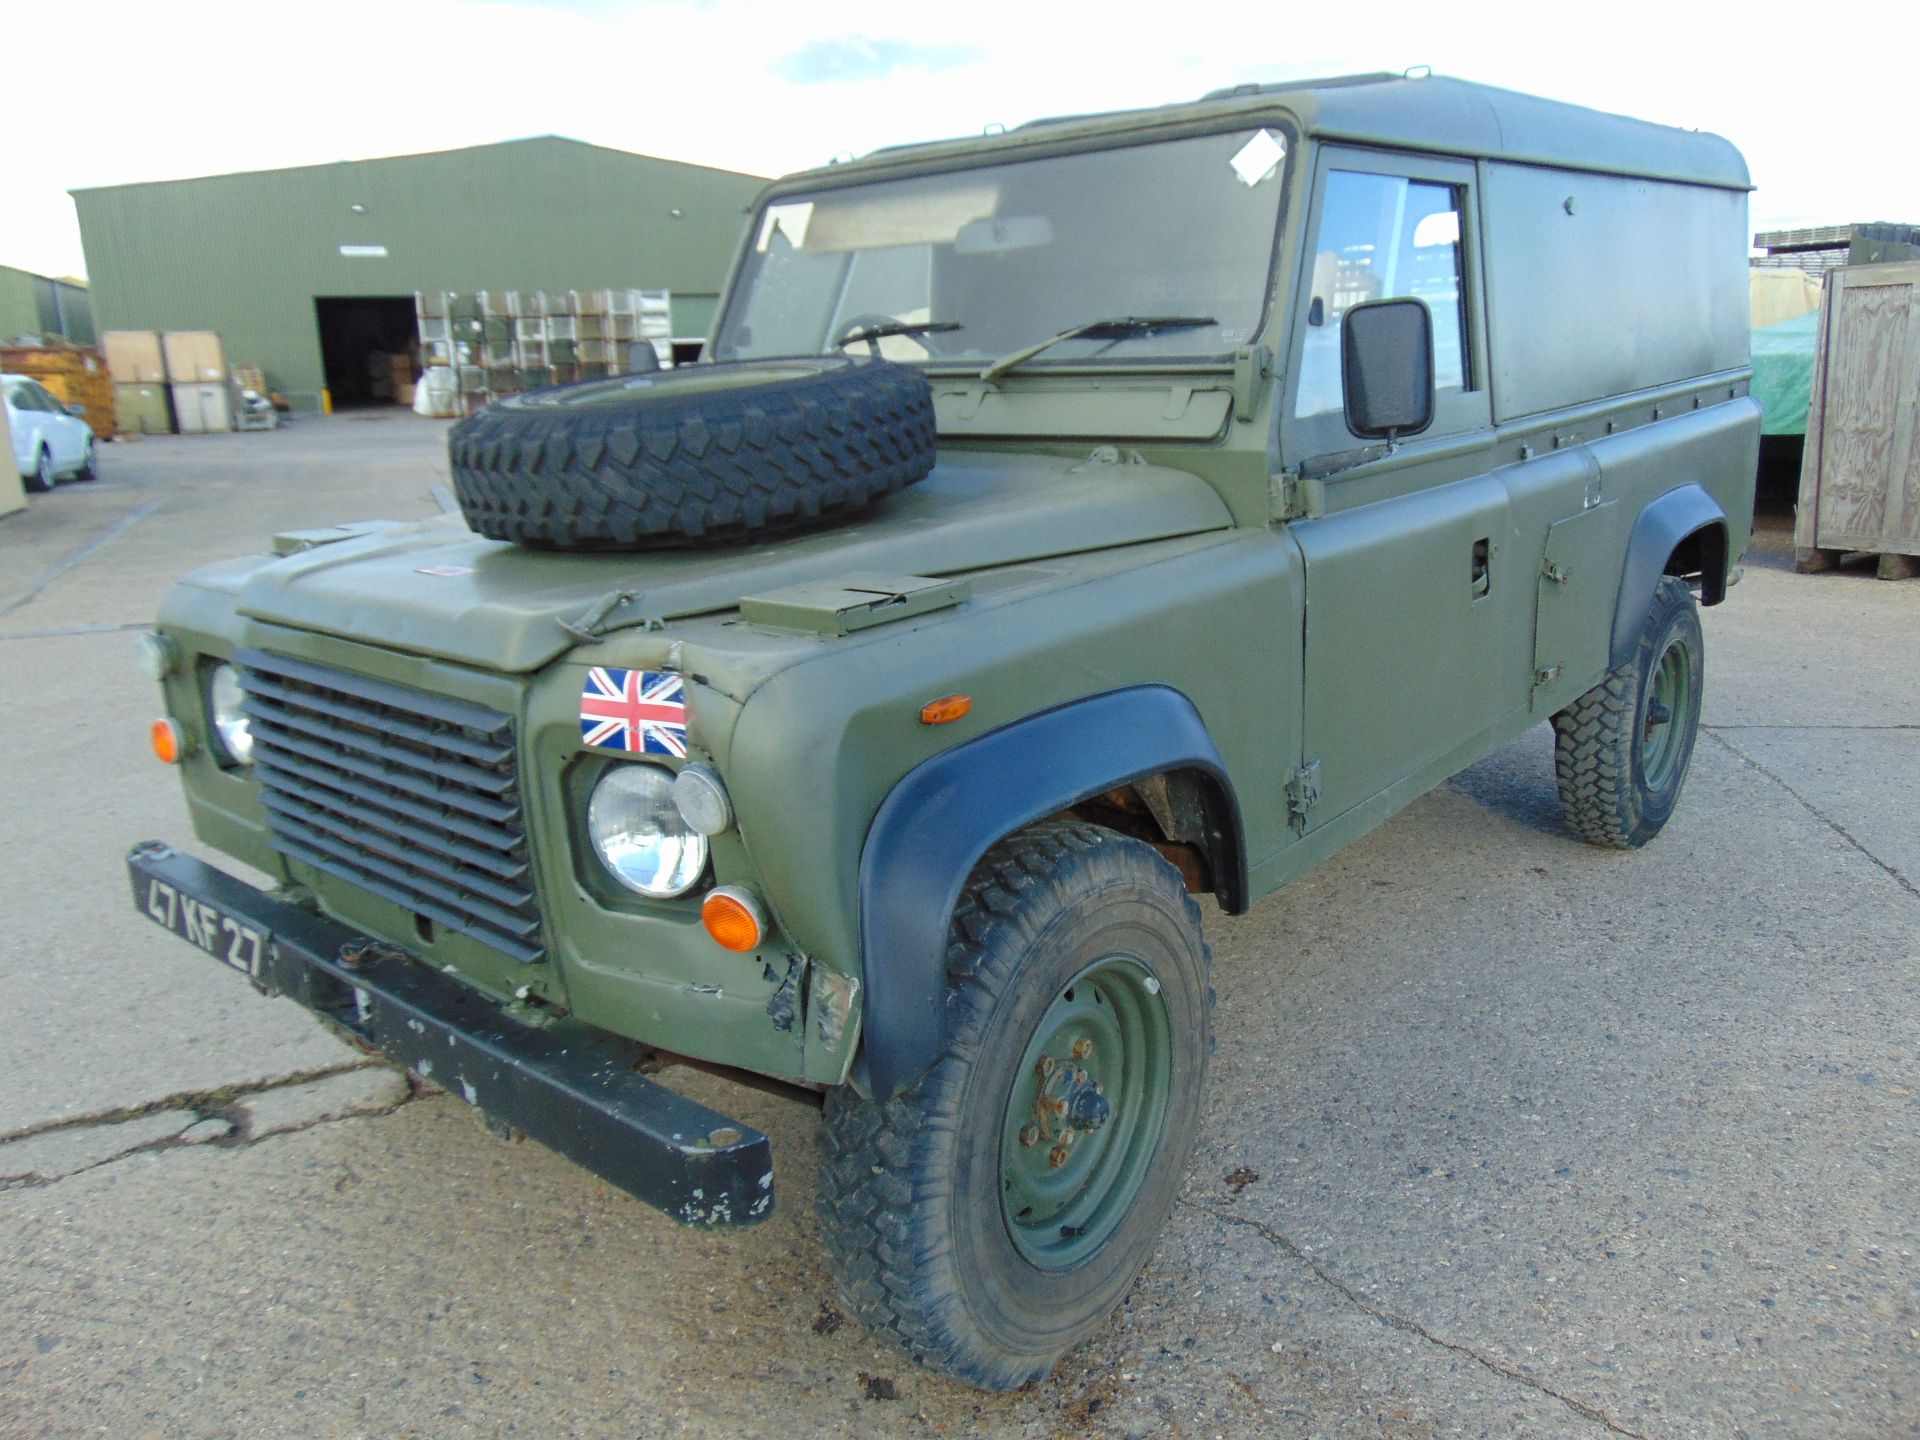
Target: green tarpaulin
x,y
1783,373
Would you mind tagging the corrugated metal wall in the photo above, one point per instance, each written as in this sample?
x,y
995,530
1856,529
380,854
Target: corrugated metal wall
x,y
38,305
245,255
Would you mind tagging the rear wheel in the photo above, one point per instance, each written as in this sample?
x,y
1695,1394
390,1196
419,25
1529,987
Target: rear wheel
x,y
89,470
40,479
989,1219
1621,751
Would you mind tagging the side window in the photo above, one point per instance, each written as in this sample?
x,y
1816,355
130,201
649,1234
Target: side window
x,y
1383,236
44,400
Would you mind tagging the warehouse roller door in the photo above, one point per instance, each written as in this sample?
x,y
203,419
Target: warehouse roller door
x,y
358,336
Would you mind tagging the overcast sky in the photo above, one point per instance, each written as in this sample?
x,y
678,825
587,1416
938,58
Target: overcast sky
x,y
166,88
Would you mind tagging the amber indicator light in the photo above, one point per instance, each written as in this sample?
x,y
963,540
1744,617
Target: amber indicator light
x,y
945,710
731,921
167,745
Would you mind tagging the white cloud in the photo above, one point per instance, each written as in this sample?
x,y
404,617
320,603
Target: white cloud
x,y
179,89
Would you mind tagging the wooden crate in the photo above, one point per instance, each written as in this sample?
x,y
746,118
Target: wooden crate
x,y
194,357
133,357
1860,475
143,410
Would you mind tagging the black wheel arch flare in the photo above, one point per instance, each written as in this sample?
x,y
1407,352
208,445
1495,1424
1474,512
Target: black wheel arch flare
x,y
1685,526
944,815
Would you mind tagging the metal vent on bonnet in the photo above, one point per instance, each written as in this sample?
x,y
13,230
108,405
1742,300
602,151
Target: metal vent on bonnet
x,y
411,796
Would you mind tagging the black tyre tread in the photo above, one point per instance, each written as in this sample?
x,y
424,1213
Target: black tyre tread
x,y
868,1149
40,479
703,468
1593,749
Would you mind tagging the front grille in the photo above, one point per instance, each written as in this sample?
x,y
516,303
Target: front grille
x,y
412,796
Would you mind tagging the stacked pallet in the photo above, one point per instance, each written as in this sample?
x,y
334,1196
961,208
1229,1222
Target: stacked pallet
x,y
503,342
76,376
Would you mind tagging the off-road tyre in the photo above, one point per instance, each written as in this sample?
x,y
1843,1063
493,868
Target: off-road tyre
x,y
1620,769
911,1189
701,455
40,480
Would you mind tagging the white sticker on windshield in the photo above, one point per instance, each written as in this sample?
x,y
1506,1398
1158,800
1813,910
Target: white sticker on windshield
x,y
1259,158
790,220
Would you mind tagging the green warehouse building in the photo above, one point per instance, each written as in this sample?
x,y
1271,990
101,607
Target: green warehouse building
x,y
308,272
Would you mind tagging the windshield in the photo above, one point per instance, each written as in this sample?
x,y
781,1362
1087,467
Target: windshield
x,y
1004,256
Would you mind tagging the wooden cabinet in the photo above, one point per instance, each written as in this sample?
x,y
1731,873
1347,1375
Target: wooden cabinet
x,y
1860,476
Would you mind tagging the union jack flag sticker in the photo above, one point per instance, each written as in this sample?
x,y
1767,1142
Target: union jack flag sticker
x,y
642,711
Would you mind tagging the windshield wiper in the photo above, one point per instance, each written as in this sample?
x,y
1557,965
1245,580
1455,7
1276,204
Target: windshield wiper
x,y
874,334
1115,327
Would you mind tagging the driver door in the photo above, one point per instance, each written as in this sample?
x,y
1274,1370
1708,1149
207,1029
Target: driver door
x,y
1409,599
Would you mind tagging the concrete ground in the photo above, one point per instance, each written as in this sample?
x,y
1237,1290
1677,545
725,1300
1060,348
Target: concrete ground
x,y
1508,1136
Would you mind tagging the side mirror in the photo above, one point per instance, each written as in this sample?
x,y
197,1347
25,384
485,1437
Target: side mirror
x,y
642,358
79,412
1386,361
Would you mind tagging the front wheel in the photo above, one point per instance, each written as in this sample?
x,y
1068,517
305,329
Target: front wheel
x,y
89,465
1621,751
989,1219
40,480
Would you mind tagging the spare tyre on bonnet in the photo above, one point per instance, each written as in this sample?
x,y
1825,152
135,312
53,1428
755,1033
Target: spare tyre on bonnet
x,y
701,455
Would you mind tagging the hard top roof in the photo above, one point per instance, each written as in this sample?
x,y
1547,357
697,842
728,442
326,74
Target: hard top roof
x,y
1432,113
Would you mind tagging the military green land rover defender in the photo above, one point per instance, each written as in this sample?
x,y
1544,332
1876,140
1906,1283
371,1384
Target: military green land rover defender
x,y
1067,523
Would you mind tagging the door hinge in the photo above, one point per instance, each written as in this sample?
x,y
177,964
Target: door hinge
x,y
1551,571
1303,792
1546,675
1251,366
1292,498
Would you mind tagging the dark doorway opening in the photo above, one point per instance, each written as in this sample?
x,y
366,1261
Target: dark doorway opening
x,y
359,336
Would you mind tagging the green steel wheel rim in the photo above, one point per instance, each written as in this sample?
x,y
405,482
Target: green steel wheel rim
x,y
1668,718
1105,1044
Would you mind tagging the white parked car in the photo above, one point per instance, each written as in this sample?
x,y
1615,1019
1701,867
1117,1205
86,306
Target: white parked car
x,y
50,440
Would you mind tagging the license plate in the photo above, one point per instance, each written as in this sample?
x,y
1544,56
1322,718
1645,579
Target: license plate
x,y
229,940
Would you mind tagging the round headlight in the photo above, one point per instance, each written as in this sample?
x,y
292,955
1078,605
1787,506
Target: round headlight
x,y
230,723
640,835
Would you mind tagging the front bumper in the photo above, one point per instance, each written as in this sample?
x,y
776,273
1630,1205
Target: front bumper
x,y
574,1088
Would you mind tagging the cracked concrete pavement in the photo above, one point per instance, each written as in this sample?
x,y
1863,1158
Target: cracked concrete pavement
x,y
1507,1136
